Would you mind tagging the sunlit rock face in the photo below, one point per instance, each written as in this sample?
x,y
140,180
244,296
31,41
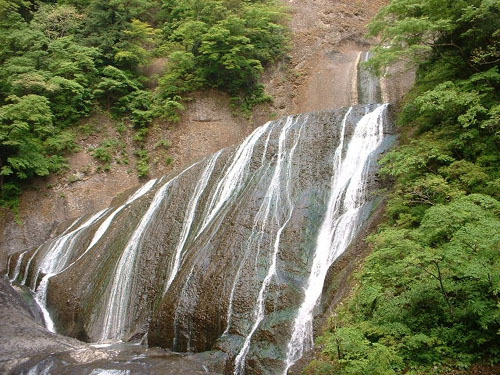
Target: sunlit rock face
x,y
230,255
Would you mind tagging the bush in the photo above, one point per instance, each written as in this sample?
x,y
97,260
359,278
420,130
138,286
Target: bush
x,y
219,45
142,164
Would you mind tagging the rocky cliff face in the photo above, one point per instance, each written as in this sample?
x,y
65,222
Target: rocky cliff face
x,y
228,256
320,75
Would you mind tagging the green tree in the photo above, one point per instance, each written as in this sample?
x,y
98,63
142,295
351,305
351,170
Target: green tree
x,y
135,48
219,44
428,296
108,21
26,123
114,84
57,21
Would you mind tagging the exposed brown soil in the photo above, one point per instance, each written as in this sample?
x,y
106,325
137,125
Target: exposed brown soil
x,y
207,126
319,74
485,369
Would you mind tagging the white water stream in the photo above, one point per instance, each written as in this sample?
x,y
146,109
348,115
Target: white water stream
x,y
235,175
54,261
116,313
117,305
17,270
107,223
189,218
274,203
341,221
28,265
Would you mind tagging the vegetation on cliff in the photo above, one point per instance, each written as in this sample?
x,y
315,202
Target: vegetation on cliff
x,y
428,298
219,44
58,59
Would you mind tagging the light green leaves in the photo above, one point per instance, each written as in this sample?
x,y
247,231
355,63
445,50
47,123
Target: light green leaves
x,y
218,44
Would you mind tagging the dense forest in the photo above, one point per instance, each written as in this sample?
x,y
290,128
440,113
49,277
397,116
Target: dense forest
x,y
60,60
427,300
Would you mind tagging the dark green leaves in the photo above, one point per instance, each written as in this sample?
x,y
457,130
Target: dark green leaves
x,y
219,44
25,125
429,295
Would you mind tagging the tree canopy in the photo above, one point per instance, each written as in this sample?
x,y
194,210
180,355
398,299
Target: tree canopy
x,y
59,59
427,299
219,44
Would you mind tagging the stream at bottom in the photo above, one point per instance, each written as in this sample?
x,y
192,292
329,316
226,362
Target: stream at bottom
x,y
124,359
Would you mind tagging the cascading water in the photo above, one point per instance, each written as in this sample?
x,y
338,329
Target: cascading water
x,y
369,90
115,314
106,223
269,211
60,251
188,219
116,311
231,182
341,222
28,265
229,256
17,270
55,259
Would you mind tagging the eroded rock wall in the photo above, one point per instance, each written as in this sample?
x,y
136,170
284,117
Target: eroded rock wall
x,y
219,256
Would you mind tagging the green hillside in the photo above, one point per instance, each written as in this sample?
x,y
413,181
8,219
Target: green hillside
x,y
61,59
427,299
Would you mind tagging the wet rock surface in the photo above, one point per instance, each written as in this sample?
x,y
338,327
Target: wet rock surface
x,y
27,347
213,260
22,337
121,360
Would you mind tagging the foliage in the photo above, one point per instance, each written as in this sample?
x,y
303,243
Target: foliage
x,y
57,21
163,143
56,60
134,49
25,124
462,33
429,295
138,107
63,57
218,44
107,151
427,299
117,28
142,164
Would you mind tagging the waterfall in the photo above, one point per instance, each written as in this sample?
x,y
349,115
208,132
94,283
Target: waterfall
x,y
60,251
17,270
235,174
230,255
117,306
34,280
181,296
272,201
107,222
341,223
116,312
189,217
255,230
369,90
28,265
105,225
55,259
